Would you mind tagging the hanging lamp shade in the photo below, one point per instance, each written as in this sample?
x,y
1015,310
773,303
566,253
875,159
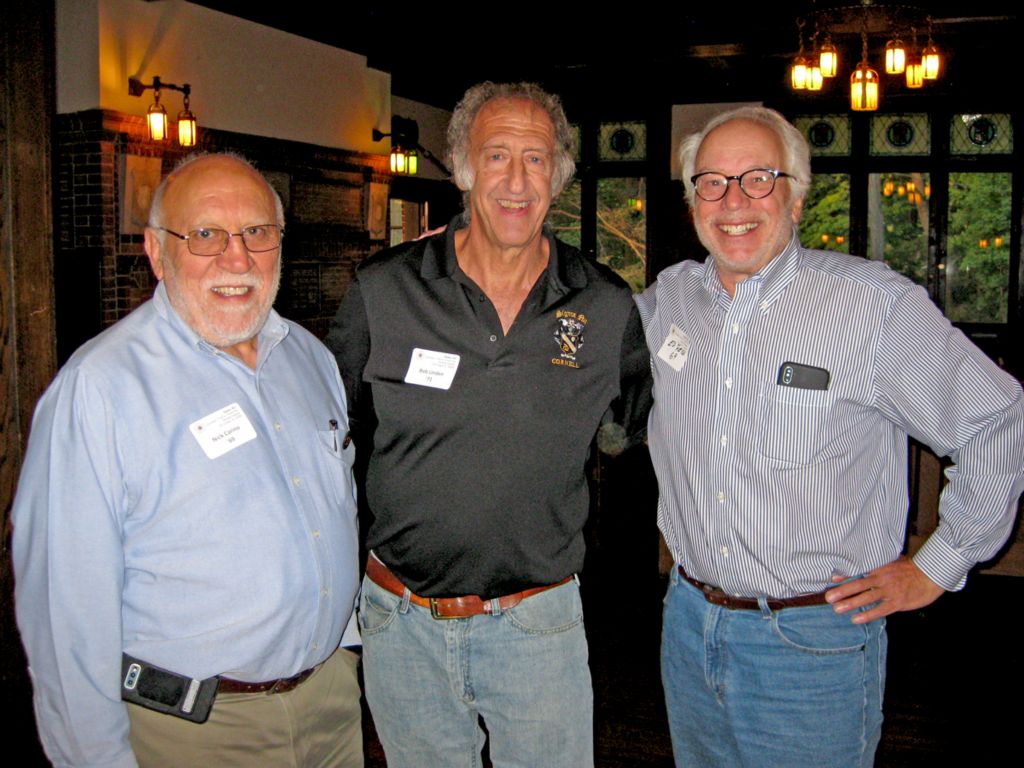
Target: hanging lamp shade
x,y
895,57
931,62
156,120
187,128
815,79
864,88
798,73
828,59
399,160
915,75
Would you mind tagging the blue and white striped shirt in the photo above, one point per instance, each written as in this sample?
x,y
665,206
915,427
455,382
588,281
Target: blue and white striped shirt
x,y
768,489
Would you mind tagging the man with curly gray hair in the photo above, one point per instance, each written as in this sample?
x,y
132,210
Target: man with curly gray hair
x,y
479,96
479,364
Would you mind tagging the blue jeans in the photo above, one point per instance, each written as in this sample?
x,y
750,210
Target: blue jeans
x,y
796,687
523,672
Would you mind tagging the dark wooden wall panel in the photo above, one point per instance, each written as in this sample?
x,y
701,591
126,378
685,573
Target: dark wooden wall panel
x,y
27,350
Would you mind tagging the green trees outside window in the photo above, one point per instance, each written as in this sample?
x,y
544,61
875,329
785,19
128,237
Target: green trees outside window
x,y
974,278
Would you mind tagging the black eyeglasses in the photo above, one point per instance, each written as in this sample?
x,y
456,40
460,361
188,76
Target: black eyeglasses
x,y
755,183
210,241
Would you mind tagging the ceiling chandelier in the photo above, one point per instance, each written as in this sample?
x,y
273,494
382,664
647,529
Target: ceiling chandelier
x,y
811,71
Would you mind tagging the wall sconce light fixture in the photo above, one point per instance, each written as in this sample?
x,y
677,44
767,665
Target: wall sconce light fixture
x,y
405,138
156,116
406,148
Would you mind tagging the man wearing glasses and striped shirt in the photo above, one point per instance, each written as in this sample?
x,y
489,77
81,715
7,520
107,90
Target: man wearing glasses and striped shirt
x,y
786,384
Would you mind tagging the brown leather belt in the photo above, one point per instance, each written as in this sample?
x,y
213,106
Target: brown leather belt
x,y
281,685
448,607
717,596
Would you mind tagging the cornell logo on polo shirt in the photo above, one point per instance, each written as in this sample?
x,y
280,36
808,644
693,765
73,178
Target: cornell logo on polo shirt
x,y
569,327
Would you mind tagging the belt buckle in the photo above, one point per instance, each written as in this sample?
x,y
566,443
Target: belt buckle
x,y
435,614
279,683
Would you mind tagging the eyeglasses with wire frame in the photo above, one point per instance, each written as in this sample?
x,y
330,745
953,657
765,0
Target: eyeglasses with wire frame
x,y
756,183
210,241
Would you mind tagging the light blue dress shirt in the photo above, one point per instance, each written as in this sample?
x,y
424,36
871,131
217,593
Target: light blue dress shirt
x,y
127,537
770,490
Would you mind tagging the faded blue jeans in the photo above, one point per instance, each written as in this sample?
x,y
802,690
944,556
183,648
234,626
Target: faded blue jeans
x,y
523,672
759,688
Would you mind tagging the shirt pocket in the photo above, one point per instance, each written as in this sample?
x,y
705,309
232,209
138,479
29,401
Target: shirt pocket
x,y
338,444
337,454
794,423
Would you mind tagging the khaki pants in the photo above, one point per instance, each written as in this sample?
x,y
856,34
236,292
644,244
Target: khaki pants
x,y
317,724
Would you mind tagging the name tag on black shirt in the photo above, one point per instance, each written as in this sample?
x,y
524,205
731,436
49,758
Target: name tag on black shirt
x,y
802,376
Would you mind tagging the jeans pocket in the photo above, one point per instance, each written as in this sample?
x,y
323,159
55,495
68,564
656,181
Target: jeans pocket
x,y
551,611
377,608
818,631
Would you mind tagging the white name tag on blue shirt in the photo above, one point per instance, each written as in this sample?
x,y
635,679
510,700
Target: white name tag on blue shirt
x,y
675,348
222,431
432,369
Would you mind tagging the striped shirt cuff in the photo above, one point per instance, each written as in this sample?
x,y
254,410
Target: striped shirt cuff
x,y
942,564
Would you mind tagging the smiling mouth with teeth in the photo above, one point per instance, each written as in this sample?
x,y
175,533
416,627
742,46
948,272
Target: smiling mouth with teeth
x,y
738,229
232,290
515,204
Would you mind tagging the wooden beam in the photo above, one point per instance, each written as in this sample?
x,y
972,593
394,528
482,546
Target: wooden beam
x,y
27,348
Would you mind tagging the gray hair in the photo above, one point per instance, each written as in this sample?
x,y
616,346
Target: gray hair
x,y
156,207
476,98
796,157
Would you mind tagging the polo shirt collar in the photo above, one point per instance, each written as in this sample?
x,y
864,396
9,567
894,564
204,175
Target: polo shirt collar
x,y
565,271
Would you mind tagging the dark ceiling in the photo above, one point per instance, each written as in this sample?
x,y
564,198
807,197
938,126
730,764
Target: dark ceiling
x,y
636,56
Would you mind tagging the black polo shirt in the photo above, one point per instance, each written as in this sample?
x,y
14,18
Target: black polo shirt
x,y
480,488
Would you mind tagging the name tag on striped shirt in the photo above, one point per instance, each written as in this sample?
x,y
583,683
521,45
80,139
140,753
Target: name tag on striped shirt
x,y
675,348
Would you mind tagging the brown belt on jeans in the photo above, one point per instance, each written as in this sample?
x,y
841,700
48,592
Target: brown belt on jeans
x,y
281,685
717,596
448,607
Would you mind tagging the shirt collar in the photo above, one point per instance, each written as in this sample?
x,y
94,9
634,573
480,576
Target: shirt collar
x,y
273,331
773,279
564,270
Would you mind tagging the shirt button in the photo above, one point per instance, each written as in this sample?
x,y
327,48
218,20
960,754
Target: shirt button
x,y
724,551
764,305
277,425
720,496
296,481
724,440
493,337
315,646
316,534
728,383
325,592
735,328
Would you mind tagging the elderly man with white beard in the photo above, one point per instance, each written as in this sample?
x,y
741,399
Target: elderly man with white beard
x,y
185,530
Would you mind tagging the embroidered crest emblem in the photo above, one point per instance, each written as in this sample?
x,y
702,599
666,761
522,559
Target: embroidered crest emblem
x,y
569,327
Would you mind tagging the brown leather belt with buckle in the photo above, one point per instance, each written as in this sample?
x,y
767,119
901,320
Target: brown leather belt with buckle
x,y
717,596
281,685
448,607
